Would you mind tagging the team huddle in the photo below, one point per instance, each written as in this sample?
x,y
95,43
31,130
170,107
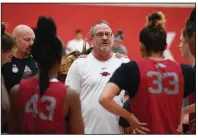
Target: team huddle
x,y
102,92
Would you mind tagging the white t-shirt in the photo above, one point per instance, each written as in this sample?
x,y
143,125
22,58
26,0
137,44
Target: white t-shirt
x,y
88,76
74,45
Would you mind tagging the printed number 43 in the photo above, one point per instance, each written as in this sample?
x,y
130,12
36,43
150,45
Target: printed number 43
x,y
32,107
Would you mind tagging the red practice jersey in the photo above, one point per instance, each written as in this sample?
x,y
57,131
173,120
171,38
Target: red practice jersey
x,y
41,114
158,101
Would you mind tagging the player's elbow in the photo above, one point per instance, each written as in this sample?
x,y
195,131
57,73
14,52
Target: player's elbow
x,y
103,100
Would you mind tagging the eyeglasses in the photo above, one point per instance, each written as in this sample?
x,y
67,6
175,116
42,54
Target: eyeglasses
x,y
101,34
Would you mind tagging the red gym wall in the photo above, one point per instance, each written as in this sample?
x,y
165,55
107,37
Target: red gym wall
x,y
70,17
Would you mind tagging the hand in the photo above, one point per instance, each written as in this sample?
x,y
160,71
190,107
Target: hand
x,y
185,119
137,127
128,130
180,129
118,55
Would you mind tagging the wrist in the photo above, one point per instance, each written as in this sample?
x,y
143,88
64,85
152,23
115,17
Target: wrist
x,y
127,116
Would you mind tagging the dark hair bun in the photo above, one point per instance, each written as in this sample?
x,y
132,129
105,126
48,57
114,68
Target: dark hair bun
x,y
192,17
156,20
46,27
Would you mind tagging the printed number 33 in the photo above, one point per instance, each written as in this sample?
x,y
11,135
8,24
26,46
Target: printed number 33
x,y
174,83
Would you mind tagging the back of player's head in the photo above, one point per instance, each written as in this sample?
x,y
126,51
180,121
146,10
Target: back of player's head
x,y
190,27
7,41
153,35
192,17
47,49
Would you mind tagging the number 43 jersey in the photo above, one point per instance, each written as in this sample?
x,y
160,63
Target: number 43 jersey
x,y
41,114
156,90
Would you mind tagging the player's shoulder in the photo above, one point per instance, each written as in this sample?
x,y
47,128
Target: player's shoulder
x,y
29,82
59,84
169,61
176,66
187,68
131,65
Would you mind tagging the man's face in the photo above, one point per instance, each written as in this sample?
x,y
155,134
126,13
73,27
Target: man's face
x,y
102,38
24,41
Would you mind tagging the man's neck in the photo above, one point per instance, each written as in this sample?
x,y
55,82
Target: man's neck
x,y
102,56
20,55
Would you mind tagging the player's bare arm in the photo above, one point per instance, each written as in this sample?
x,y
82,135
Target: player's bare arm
x,y
106,100
75,121
189,109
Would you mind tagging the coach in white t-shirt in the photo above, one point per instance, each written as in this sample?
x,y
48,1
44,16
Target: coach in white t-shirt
x,y
88,76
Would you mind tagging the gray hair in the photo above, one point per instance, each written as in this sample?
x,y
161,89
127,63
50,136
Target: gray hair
x,y
93,26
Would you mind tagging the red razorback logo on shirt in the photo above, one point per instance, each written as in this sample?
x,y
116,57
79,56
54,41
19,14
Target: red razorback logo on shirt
x,y
105,73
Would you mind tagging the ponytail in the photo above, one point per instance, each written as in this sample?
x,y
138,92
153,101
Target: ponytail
x,y
43,79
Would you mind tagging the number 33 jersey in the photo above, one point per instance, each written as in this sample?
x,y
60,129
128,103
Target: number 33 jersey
x,y
156,90
41,114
